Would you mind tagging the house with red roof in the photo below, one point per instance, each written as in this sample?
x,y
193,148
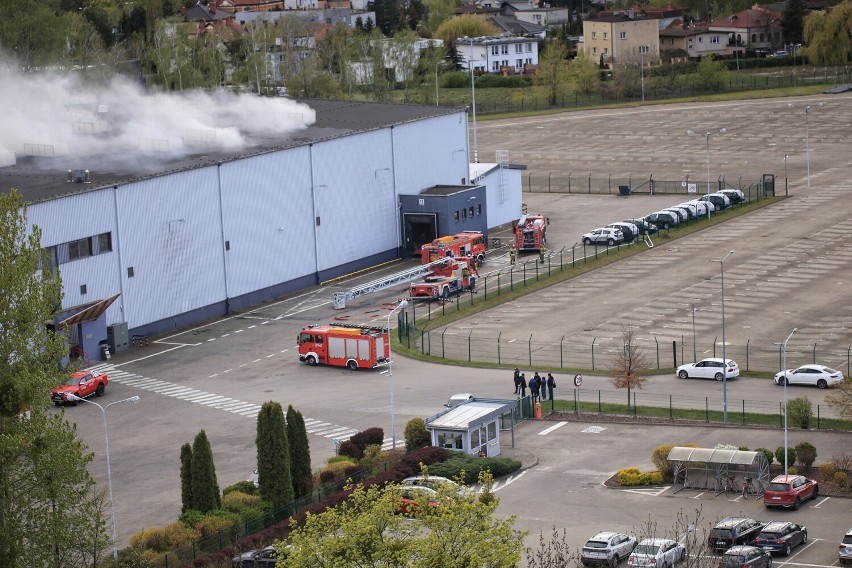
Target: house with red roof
x,y
756,28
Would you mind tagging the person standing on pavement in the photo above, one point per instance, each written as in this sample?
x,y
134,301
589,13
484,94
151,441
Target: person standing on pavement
x,y
523,386
551,384
535,383
543,386
517,380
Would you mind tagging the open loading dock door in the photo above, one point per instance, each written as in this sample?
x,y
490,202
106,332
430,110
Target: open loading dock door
x,y
419,229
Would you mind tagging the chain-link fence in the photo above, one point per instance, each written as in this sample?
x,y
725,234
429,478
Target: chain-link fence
x,y
588,183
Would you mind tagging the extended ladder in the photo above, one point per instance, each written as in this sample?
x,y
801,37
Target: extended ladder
x,y
339,298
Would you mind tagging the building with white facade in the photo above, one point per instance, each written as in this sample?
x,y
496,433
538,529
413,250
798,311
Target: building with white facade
x,y
215,232
490,54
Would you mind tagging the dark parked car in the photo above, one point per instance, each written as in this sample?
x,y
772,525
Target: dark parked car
x,y
732,531
746,557
662,219
645,228
263,558
781,536
719,200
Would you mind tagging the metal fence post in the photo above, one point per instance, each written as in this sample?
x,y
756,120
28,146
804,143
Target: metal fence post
x,y
748,340
529,349
468,346
443,346
674,354
498,346
706,409
590,182
561,361
814,352
715,339
593,352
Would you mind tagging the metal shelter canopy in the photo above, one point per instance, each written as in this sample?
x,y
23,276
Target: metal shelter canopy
x,y
707,468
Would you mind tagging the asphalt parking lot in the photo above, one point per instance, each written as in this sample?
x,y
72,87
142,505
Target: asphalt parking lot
x,y
790,266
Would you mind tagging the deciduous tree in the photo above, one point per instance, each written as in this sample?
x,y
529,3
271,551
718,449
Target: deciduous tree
x,y
464,26
273,456
840,399
828,35
47,495
628,363
553,70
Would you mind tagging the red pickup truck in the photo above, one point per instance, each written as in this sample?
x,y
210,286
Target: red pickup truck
x,y
80,383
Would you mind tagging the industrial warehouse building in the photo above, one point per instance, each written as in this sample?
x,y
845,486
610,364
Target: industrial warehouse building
x,y
142,252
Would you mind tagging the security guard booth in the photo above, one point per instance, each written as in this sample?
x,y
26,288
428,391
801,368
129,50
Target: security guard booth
x,y
472,427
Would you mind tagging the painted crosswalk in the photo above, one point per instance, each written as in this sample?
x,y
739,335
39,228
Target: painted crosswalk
x,y
313,426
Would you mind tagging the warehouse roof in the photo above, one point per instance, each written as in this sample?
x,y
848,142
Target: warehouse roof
x,y
42,178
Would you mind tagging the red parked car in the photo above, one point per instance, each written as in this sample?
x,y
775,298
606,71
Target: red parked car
x,y
81,384
790,491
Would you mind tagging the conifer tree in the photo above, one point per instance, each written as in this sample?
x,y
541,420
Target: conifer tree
x,y
186,477
273,456
205,489
300,453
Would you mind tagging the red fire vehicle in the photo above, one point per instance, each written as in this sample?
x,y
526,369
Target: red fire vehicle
x,y
344,345
450,277
82,384
468,243
530,232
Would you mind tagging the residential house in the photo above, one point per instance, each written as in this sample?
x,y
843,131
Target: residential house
x,y
399,59
234,6
474,10
499,54
622,38
696,42
207,13
543,16
666,17
512,26
756,28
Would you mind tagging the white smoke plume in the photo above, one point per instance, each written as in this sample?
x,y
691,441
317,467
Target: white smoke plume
x,y
120,126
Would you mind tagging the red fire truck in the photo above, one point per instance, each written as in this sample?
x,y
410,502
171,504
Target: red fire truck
x,y
468,243
344,345
530,232
449,277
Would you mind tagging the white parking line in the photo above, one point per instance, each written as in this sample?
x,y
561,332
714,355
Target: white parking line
x,y
547,431
821,502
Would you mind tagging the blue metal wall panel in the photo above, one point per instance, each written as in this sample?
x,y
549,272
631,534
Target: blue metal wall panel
x,y
432,152
268,220
171,237
76,217
354,198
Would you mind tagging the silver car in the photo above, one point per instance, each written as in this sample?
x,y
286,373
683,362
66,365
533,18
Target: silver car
x,y
607,548
657,553
605,235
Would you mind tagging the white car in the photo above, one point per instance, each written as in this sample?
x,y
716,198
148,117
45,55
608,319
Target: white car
x,y
657,553
604,235
735,195
813,375
682,214
629,230
712,368
702,206
607,548
690,208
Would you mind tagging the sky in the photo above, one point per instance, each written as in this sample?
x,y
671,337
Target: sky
x,y
121,125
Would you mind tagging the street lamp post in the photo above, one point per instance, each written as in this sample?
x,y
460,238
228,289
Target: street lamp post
x,y
784,370
786,182
642,69
402,304
694,354
75,398
808,138
473,103
436,83
724,343
708,135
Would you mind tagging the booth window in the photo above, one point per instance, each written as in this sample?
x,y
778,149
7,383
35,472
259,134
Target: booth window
x,y
492,431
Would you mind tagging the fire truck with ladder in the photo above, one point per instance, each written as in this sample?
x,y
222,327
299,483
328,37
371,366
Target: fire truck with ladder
x,y
530,232
452,276
468,243
344,345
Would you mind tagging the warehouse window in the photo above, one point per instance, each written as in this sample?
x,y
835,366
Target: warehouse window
x,y
80,248
104,243
456,216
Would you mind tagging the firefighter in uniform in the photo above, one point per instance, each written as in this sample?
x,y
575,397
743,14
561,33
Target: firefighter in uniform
x,y
541,253
513,254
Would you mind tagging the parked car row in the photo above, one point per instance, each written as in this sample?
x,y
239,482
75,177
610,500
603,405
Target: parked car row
x,y
631,229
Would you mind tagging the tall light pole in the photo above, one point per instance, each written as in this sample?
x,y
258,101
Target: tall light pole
x,y
784,370
75,398
473,103
708,135
694,354
721,262
808,138
400,306
642,49
786,182
436,83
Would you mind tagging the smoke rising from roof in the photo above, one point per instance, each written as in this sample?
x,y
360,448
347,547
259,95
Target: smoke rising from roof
x,y
119,125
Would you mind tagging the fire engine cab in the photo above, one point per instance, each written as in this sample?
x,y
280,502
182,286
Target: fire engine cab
x,y
530,232
468,243
344,345
449,277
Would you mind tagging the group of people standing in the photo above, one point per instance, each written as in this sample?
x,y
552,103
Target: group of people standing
x,y
540,387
